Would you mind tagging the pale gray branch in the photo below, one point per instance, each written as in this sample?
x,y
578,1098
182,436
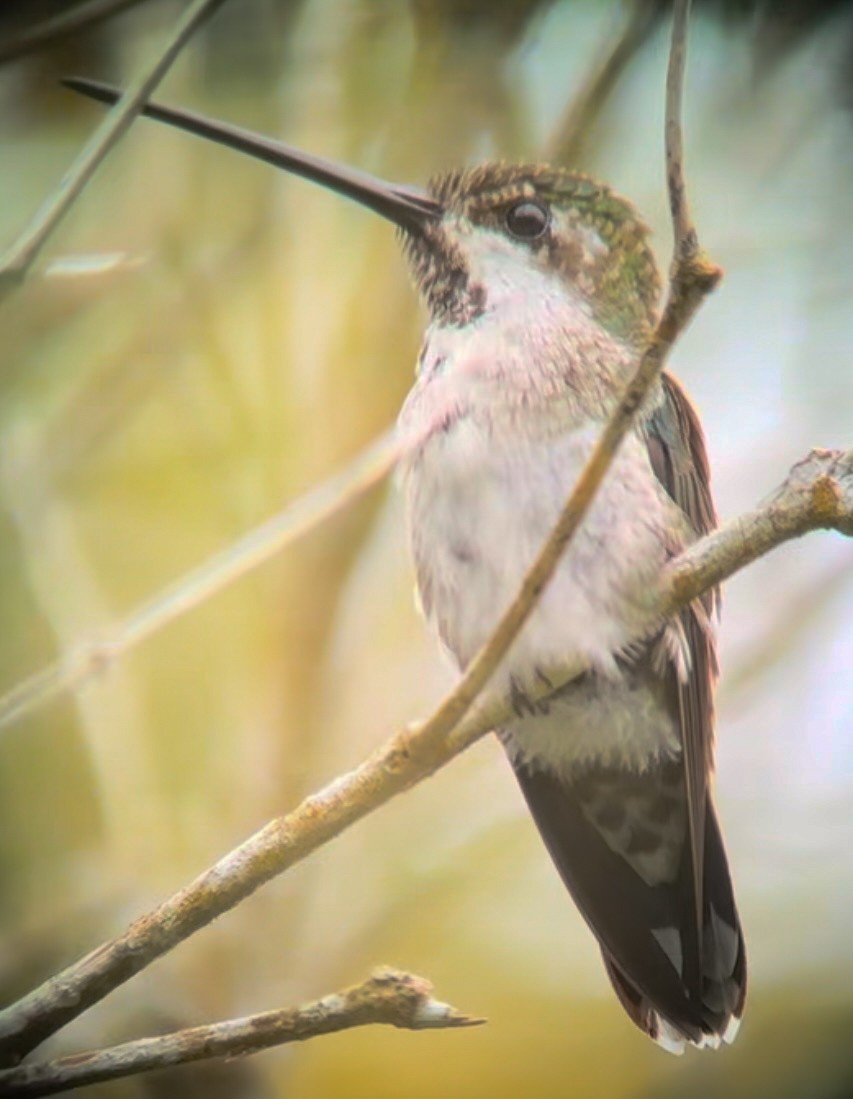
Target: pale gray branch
x,y
388,996
568,142
816,495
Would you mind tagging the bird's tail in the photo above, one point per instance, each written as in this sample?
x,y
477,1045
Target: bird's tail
x,y
619,840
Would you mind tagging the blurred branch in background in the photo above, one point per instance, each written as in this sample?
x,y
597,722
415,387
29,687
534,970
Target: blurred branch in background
x,y
388,997
638,21
44,32
95,656
20,256
801,612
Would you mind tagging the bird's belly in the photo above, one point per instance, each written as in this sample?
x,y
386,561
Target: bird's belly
x,y
480,505
593,719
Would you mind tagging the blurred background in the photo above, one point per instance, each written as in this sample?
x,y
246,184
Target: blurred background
x,y
249,334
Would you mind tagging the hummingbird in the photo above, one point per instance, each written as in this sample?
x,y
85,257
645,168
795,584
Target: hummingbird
x,y
542,292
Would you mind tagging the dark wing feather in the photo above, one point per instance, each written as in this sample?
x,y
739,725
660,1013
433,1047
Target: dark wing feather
x,y
677,453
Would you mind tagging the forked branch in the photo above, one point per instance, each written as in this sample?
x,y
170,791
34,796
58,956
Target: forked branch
x,y
387,996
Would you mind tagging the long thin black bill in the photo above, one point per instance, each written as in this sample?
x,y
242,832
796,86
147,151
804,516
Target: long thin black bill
x,y
408,207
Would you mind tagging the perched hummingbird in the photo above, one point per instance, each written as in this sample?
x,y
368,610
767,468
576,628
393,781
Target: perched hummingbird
x,y
542,292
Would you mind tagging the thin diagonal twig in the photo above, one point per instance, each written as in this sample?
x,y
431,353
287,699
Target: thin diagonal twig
x,y
94,656
18,259
61,25
571,134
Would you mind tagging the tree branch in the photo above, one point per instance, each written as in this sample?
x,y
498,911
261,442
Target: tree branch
x,y
56,27
816,495
388,996
18,259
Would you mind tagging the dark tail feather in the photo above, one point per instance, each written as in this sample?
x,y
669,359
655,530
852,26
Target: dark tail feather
x,y
723,950
618,840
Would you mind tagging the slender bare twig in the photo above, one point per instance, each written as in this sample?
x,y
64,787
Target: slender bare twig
x,y
388,996
17,261
785,627
94,656
66,23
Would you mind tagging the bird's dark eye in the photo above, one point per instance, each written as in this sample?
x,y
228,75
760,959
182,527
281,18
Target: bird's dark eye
x,y
527,220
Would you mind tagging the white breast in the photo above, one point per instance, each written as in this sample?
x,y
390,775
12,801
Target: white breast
x,y
497,429
481,505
